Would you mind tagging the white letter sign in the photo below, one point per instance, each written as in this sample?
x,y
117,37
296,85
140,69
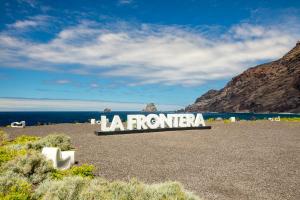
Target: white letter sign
x,y
152,121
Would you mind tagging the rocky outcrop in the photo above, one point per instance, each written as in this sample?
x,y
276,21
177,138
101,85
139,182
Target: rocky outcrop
x,y
150,107
270,87
107,110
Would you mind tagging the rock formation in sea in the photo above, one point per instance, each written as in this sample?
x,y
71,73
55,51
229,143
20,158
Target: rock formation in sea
x,y
270,87
150,107
107,110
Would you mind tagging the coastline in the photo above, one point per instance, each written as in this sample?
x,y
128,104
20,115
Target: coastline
x,y
247,159
55,117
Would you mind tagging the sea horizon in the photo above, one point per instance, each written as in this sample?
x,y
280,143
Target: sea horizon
x,y
56,117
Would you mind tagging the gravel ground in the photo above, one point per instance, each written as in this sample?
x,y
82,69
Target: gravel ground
x,y
244,160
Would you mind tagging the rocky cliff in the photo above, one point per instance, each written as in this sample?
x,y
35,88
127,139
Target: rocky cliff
x,y
270,87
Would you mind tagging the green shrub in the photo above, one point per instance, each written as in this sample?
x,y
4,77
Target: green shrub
x,y
210,120
54,140
10,150
24,139
25,168
33,166
102,189
84,170
168,190
7,154
65,189
97,189
291,119
226,121
3,138
13,187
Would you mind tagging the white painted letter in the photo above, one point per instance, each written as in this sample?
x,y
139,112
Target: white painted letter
x,y
153,121
182,120
190,120
175,120
116,124
141,122
104,124
132,122
199,120
166,121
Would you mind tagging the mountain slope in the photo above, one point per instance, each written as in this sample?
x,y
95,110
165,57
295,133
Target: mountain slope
x,y
270,87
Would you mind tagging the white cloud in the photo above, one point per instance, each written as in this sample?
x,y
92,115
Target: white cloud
x,y
125,1
62,81
32,3
151,54
30,22
94,85
15,104
24,24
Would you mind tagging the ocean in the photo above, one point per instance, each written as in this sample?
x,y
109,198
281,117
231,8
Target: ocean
x,y
42,118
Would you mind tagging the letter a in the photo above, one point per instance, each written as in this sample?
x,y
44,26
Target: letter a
x,y
199,120
116,124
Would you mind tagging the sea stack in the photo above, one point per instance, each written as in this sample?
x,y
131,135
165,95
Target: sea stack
x,y
150,107
107,110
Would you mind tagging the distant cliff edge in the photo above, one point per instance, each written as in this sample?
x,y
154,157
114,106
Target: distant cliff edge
x,y
270,87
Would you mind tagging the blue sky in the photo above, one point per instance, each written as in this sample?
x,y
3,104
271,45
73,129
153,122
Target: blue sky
x,y
125,53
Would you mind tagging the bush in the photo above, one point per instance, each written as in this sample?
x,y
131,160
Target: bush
x,y
291,119
24,139
3,138
101,189
84,170
14,188
168,190
20,173
226,121
65,189
10,150
54,140
33,166
7,154
98,189
210,120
